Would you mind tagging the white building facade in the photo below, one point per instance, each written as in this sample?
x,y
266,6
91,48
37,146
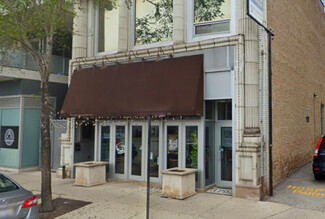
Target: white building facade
x,y
222,140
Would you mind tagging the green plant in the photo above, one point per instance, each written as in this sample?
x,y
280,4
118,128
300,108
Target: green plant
x,y
194,152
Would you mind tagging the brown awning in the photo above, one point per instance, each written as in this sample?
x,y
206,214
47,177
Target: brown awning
x,y
172,87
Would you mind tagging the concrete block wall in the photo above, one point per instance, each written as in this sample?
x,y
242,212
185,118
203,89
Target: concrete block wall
x,y
298,73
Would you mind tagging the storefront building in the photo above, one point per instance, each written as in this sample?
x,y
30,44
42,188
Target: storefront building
x,y
20,121
20,108
199,78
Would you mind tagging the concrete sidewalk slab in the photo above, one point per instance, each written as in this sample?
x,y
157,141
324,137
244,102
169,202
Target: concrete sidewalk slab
x,y
196,205
299,213
242,208
128,200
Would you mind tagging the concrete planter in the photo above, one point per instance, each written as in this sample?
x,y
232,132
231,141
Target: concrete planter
x,y
90,173
178,183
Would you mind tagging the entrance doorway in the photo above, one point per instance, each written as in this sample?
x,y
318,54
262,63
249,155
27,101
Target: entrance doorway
x,y
218,143
84,143
223,144
137,146
124,145
224,154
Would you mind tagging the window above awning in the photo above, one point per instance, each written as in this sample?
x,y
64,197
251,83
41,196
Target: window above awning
x,y
171,87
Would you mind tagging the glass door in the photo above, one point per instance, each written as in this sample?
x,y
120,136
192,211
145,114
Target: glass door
x,y
120,142
192,139
105,145
224,154
137,151
154,151
172,143
191,146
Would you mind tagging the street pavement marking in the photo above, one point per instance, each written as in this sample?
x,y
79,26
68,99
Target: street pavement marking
x,y
307,191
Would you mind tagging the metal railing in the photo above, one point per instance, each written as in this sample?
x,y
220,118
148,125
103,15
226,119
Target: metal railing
x,y
23,60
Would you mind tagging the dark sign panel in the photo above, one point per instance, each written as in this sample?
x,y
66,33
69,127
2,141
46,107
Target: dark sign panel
x,y
9,137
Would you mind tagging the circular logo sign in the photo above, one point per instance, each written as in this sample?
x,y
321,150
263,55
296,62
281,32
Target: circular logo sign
x,y
9,137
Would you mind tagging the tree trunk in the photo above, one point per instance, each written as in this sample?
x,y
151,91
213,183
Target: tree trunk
x,y
46,191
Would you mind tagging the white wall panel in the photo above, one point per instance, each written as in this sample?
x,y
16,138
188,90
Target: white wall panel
x,y
218,85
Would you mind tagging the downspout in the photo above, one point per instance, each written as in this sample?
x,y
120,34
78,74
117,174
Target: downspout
x,y
261,126
270,34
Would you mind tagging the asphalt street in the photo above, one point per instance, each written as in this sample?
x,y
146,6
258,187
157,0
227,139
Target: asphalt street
x,y
301,190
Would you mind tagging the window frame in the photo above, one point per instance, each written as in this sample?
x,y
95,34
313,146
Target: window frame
x,y
192,37
132,31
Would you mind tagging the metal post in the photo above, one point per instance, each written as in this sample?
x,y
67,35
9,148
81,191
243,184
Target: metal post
x,y
270,115
148,167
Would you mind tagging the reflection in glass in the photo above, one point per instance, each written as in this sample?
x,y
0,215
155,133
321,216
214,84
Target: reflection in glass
x,y
191,146
107,30
119,149
136,150
172,146
212,28
105,144
154,21
154,152
209,153
225,111
226,153
211,10
210,109
211,16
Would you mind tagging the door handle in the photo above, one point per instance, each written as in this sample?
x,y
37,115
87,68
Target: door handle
x,y
221,150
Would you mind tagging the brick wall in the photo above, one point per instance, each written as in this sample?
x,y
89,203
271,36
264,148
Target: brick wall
x,y
298,72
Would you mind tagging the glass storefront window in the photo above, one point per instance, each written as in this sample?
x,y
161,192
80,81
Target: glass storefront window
x,y
136,150
153,21
212,16
119,149
154,151
107,30
210,109
191,146
105,144
172,146
212,28
225,111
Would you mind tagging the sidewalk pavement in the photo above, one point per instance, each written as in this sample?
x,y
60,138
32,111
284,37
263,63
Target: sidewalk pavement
x,y
128,200
301,190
